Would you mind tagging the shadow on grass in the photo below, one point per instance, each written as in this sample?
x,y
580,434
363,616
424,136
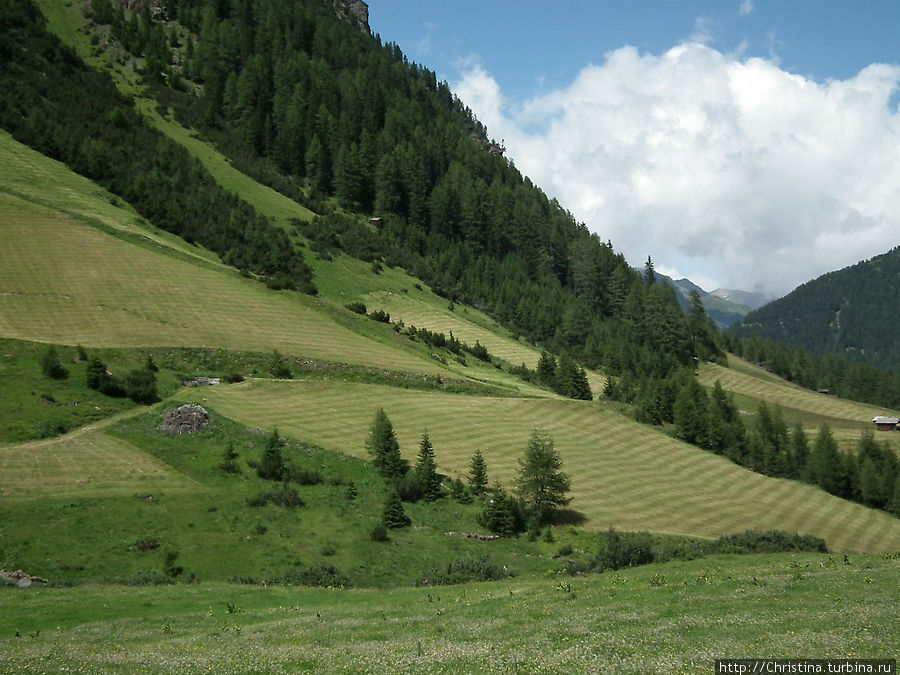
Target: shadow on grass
x,y
567,517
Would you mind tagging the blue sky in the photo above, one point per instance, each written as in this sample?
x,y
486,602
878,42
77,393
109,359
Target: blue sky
x,y
743,144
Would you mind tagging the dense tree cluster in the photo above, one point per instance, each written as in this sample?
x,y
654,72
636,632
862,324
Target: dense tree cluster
x,y
55,103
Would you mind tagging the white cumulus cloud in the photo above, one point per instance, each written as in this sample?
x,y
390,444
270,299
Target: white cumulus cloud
x,y
729,169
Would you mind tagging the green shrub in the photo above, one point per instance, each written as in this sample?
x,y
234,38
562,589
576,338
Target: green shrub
x,y
771,541
51,366
462,570
321,574
622,549
148,578
379,532
302,476
356,307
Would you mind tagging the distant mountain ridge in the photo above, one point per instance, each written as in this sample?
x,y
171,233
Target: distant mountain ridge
x,y
851,312
725,307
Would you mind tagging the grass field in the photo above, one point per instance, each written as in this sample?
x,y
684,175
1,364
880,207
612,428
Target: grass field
x,y
624,475
671,618
63,281
751,385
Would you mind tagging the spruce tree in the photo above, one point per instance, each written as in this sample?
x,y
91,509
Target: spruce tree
x,y
541,483
426,471
394,516
384,448
478,477
546,370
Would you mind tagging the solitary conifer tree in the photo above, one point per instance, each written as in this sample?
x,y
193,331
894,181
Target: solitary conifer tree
x,y
541,483
394,516
478,477
426,471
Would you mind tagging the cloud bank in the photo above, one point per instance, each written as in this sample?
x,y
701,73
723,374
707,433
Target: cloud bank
x,y
730,171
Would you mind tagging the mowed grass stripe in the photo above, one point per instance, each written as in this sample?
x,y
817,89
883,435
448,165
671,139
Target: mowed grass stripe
x,y
623,474
85,465
62,281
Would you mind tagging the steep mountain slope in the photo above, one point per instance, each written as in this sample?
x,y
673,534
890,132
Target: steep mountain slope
x,y
851,313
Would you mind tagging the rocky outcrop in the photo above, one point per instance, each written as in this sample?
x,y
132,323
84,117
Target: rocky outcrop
x,y
186,419
354,11
20,579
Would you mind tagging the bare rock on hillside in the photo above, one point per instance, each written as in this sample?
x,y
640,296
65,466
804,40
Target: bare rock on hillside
x,y
186,419
21,579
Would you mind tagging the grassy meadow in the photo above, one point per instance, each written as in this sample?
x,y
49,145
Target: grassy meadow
x,y
672,618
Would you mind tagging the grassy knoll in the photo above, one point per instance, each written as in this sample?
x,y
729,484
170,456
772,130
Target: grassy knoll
x,y
674,618
623,474
426,310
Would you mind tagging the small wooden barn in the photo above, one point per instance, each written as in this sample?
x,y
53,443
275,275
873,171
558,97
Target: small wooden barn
x,y
886,423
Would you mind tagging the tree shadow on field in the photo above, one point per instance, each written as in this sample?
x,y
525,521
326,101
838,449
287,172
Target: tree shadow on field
x,y
567,517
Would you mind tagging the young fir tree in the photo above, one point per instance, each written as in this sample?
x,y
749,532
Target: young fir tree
x,y
478,477
271,467
546,370
541,483
383,446
426,471
394,516
229,459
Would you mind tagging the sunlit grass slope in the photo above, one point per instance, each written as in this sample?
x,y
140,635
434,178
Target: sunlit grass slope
x,y
672,618
624,475
66,282
84,464
426,310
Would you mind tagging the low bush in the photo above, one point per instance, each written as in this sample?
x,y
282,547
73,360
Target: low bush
x,y
465,569
321,574
356,307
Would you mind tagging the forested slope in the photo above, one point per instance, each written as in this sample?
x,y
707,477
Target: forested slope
x,y
850,313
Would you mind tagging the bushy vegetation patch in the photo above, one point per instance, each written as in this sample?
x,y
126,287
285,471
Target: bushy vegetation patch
x,y
321,574
465,569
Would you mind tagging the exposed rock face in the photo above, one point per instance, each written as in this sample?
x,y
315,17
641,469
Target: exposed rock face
x,y
187,419
21,579
354,11
157,11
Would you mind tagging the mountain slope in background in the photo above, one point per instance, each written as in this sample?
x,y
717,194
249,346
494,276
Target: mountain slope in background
x,y
723,307
851,312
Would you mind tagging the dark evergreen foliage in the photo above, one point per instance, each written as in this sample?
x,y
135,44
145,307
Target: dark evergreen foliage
x,y
541,482
850,313
383,446
271,466
478,477
393,515
426,471
50,365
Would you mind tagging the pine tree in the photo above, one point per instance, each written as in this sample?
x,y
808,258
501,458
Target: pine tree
x,y
826,464
478,477
541,483
799,451
649,272
394,516
426,471
384,448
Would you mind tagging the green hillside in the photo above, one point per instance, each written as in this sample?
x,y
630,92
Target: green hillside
x,y
848,313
